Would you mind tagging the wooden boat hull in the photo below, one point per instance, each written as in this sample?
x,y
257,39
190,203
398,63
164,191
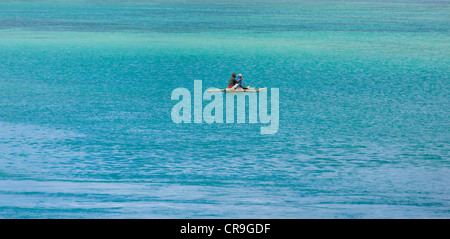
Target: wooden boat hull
x,y
239,90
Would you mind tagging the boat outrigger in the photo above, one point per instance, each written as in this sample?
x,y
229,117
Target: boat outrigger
x,y
238,90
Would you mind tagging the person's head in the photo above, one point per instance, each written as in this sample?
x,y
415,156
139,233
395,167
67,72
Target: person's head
x,y
233,75
240,75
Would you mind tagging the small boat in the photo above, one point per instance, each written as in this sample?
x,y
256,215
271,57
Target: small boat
x,y
238,90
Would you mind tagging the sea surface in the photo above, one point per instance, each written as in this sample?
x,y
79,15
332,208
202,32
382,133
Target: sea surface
x,y
85,109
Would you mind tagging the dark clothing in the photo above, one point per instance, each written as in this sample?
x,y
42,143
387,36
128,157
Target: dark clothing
x,y
233,82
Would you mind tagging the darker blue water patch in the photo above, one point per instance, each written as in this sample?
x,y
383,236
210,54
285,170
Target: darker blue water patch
x,y
163,17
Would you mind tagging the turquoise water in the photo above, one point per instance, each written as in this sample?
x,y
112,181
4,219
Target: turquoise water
x,y
85,105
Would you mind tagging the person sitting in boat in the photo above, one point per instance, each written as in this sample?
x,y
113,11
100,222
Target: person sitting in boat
x,y
233,83
239,79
